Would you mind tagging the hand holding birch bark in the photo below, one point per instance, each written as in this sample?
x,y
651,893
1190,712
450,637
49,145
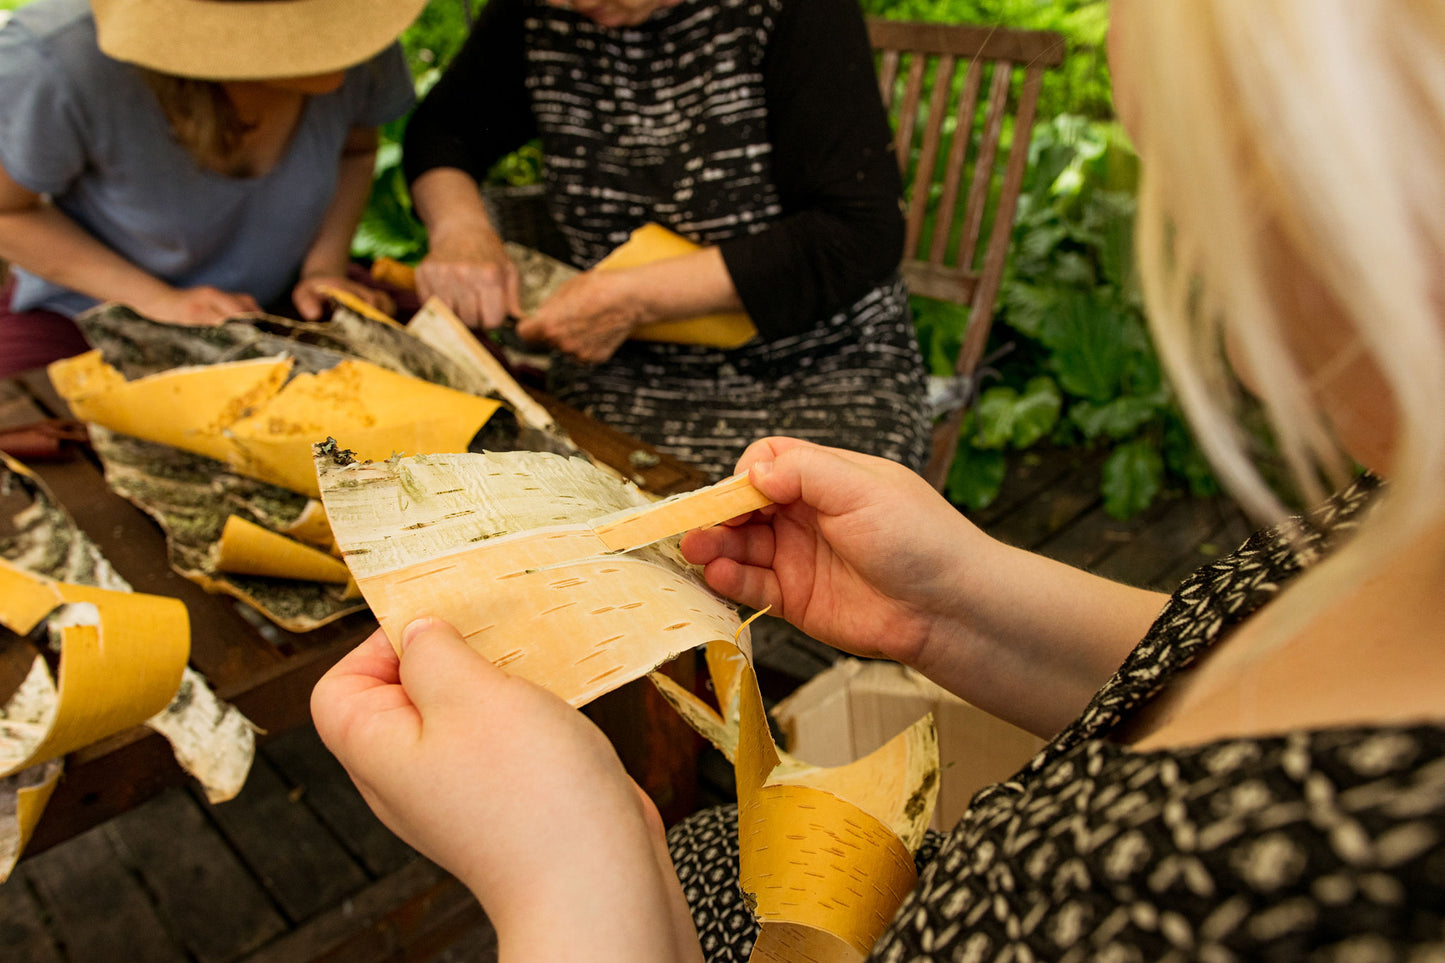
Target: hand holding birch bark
x,y
588,317
513,791
863,554
856,551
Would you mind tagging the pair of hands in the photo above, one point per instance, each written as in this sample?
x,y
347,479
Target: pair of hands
x,y
206,305
589,317
524,800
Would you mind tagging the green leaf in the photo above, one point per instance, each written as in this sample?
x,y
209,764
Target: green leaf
x,y
975,477
1117,419
1037,411
388,227
1133,476
1086,334
995,417
940,326
1008,418
1183,459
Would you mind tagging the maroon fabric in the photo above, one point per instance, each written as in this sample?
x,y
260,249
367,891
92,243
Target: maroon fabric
x,y
33,339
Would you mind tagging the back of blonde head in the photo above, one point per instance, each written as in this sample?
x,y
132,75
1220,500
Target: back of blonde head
x,y
1313,131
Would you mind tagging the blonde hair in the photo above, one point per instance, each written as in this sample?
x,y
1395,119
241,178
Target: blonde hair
x,y
1317,129
203,120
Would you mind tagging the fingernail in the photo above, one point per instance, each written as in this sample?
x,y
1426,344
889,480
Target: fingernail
x,y
762,469
413,629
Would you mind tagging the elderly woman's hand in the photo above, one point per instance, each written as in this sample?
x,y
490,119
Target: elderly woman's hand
x,y
510,789
199,306
469,269
590,316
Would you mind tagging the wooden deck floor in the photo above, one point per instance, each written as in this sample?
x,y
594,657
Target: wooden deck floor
x,y
297,869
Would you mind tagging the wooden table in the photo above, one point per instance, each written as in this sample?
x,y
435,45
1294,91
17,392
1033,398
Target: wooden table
x,y
267,672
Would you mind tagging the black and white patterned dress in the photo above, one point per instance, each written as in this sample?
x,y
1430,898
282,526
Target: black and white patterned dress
x,y
754,125
1321,844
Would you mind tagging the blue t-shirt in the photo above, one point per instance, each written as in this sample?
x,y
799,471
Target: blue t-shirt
x,y
87,131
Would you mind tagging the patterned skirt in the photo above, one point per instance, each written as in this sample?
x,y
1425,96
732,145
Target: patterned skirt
x,y
856,381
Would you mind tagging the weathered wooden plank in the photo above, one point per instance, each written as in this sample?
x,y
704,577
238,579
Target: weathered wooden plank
x,y
97,909
302,866
1174,534
1072,494
1030,473
359,912
418,930
212,904
418,913
1094,537
313,773
1235,526
22,927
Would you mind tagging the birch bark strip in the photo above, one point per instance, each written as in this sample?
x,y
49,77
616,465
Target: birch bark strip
x,y
520,552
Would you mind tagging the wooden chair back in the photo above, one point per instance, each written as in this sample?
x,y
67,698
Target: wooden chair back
x,y
959,177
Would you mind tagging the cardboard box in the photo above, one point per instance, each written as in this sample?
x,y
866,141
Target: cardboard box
x,y
847,711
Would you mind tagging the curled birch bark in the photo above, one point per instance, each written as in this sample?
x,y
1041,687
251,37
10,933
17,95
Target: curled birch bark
x,y
121,658
213,422
571,579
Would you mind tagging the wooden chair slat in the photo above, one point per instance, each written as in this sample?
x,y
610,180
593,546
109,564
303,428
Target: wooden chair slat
x,y
957,155
887,74
941,283
964,275
983,168
907,112
1040,47
927,157
991,277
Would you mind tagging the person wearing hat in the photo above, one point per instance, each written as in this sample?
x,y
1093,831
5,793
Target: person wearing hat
x,y
191,158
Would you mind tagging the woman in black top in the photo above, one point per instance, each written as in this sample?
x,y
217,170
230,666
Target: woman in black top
x,y
752,128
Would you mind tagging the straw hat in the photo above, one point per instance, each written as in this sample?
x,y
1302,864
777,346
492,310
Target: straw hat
x,y
249,39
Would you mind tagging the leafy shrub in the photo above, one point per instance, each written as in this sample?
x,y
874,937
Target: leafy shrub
x,y
1076,365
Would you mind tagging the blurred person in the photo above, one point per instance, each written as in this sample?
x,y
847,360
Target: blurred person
x,y
194,160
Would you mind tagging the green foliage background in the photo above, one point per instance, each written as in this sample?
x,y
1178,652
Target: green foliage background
x,y
1073,364
1073,361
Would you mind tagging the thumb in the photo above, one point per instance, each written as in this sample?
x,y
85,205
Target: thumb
x,y
439,669
825,480
308,303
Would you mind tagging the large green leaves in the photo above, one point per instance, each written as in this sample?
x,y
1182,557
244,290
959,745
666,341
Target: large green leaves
x,y
1082,369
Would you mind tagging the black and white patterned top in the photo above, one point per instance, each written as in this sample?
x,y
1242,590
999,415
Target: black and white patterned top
x,y
1321,844
754,125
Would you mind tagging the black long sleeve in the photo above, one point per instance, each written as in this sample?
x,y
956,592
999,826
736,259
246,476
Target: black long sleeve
x,y
479,111
842,230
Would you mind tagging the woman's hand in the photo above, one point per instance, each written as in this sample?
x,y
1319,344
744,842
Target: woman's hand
x,y
857,551
590,316
470,270
200,306
467,265
310,299
511,790
863,554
